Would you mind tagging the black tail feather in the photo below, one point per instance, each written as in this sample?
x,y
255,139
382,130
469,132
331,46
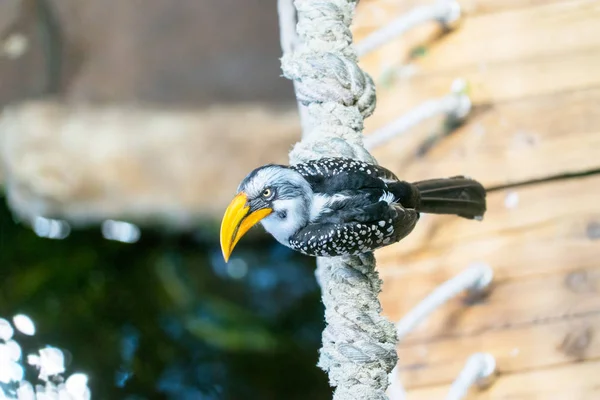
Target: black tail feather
x,y
456,195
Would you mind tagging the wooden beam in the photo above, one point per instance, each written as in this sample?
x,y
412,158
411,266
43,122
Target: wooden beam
x,y
90,163
572,382
372,14
532,69
556,247
515,350
534,32
524,302
476,7
549,231
566,210
525,33
497,83
509,143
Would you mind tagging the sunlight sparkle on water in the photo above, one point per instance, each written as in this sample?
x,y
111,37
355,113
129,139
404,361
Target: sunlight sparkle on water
x,y
49,362
6,329
25,391
52,362
24,324
14,350
120,231
51,228
77,386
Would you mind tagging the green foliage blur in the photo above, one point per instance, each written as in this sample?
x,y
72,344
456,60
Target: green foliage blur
x,y
164,318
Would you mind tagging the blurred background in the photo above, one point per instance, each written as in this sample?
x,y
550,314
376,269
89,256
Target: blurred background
x,y
126,126
150,112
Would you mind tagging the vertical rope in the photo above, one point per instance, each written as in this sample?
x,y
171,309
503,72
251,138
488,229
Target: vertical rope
x,y
289,41
358,349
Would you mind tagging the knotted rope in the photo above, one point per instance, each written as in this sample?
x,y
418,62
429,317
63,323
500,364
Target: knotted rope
x,y
358,343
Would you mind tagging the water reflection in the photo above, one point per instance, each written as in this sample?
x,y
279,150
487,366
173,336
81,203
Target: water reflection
x,y
51,228
24,324
47,364
120,231
164,317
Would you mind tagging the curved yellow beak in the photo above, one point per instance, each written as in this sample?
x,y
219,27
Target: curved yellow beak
x,y
237,221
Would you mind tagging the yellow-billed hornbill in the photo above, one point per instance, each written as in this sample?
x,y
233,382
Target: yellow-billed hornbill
x,y
340,206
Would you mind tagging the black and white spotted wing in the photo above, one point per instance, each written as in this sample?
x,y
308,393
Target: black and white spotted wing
x,y
316,172
356,237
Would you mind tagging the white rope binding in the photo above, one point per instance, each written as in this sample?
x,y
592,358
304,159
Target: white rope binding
x,y
479,370
475,279
446,12
358,343
455,106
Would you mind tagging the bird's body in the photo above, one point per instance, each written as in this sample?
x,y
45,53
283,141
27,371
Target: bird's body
x,y
356,208
340,206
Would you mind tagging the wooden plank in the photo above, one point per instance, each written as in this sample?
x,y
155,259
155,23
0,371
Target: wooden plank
x,y
549,231
372,14
500,82
525,33
532,70
509,143
513,256
528,33
515,350
559,208
560,252
89,163
517,303
569,382
475,7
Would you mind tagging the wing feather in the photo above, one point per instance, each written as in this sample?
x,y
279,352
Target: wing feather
x,y
327,174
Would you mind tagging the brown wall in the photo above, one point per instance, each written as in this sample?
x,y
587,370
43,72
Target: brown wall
x,y
176,52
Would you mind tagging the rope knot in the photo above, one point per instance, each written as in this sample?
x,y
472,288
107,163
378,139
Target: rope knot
x,y
324,25
329,77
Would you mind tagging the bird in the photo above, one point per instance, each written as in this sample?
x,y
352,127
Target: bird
x,y
337,206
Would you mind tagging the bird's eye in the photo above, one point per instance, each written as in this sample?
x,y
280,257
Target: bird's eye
x,y
267,192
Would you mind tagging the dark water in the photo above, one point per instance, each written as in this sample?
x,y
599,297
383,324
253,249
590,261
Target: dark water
x,y
165,318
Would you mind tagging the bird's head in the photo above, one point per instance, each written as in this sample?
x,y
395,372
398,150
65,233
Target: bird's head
x,y
275,195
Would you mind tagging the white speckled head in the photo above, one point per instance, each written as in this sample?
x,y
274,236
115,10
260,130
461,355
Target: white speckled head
x,y
283,190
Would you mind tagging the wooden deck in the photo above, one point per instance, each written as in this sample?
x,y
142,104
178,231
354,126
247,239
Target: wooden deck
x,y
533,138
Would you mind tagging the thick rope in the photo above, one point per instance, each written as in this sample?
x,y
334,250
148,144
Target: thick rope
x,y
358,343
